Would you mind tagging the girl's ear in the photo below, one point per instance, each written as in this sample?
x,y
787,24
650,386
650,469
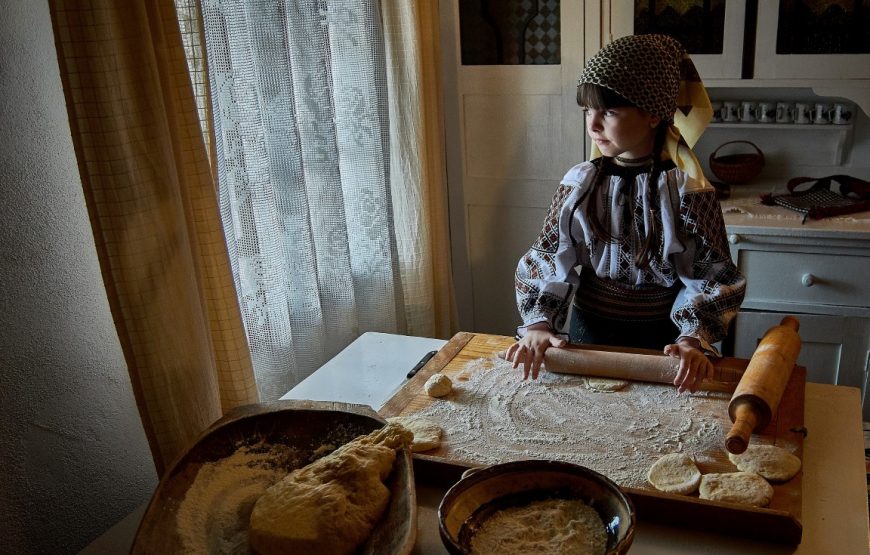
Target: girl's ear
x,y
654,121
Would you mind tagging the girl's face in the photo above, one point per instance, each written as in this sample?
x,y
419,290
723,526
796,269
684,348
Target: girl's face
x,y
624,131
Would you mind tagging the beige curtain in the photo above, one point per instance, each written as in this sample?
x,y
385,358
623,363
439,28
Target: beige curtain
x,y
153,208
417,165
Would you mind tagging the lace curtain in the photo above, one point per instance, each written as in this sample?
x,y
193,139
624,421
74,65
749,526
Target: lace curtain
x,y
324,142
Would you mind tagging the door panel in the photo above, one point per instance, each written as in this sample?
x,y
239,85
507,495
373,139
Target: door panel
x,y
501,238
512,131
513,137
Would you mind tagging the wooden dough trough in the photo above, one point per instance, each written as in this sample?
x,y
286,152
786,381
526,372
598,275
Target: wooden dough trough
x,y
303,425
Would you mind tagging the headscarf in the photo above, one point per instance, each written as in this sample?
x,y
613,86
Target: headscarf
x,y
655,73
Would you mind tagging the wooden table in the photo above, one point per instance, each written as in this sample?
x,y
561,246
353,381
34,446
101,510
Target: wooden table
x,y
835,515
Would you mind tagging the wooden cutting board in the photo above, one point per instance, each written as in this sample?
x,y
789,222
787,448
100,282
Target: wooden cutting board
x,y
779,522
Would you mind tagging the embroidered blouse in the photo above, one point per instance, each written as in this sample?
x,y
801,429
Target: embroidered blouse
x,y
693,250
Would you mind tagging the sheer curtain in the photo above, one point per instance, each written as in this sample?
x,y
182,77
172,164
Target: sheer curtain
x,y
328,153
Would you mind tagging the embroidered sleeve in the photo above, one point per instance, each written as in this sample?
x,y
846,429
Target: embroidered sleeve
x,y
714,287
543,286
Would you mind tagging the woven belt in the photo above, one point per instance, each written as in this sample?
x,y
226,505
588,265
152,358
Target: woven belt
x,y
611,299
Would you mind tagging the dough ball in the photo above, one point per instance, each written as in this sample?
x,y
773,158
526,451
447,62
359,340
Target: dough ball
x,y
771,462
675,473
736,487
438,385
604,384
427,433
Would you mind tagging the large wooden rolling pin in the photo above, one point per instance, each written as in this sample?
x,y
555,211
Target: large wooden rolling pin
x,y
634,366
760,389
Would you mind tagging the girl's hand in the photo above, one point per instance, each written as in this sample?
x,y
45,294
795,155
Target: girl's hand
x,y
694,364
529,351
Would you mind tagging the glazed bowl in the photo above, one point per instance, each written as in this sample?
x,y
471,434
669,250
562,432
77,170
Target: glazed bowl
x,y
481,493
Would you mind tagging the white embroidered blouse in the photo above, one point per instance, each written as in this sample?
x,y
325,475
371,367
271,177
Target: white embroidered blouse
x,y
693,248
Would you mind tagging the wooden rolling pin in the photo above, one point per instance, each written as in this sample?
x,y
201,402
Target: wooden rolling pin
x,y
760,389
634,366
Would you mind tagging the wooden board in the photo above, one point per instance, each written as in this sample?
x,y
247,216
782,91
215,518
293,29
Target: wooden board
x,y
779,522
304,426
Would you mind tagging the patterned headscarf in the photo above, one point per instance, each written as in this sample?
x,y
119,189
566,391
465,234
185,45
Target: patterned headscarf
x,y
655,73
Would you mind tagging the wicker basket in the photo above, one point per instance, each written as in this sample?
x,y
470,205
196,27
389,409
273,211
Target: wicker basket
x,y
735,169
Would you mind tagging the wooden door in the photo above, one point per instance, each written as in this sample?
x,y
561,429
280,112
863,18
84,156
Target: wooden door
x,y
513,130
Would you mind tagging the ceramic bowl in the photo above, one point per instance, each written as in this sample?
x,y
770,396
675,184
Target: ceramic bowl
x,y
480,493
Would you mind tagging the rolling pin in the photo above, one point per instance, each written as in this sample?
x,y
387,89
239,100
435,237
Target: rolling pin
x,y
760,389
633,366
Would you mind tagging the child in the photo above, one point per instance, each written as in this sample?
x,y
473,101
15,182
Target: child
x,y
635,236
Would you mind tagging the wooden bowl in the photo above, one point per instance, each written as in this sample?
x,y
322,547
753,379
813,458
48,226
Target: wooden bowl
x,y
303,425
478,495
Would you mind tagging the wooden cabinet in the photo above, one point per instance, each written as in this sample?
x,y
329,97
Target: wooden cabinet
x,y
819,272
824,46
812,40
833,347
712,32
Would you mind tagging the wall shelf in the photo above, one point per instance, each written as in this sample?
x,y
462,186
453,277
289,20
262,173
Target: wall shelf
x,y
855,90
844,132
796,126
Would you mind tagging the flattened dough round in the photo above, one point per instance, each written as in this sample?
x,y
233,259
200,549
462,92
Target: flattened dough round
x,y
427,433
438,385
675,473
771,462
736,487
604,384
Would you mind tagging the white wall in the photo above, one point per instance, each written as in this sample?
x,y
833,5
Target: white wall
x,y
73,455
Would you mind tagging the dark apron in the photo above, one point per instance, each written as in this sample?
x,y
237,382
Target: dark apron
x,y
606,312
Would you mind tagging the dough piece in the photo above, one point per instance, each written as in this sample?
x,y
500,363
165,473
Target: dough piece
x,y
331,505
604,384
438,385
675,473
736,487
771,462
427,433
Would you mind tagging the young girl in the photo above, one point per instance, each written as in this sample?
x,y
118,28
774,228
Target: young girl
x,y
635,236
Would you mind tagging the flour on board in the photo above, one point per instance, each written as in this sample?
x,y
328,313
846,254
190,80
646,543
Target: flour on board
x,y
494,416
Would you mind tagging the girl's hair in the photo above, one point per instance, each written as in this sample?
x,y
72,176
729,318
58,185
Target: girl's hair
x,y
602,98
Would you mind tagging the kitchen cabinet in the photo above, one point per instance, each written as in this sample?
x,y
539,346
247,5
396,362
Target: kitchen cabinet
x,y
833,347
814,40
712,32
818,271
827,50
